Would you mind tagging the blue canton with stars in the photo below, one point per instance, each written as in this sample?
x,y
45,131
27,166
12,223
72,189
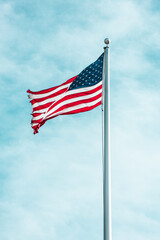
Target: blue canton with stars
x,y
90,76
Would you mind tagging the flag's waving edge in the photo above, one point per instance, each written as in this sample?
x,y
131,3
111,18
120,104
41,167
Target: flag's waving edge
x,y
78,94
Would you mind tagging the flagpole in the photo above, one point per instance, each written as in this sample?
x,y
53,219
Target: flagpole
x,y
106,146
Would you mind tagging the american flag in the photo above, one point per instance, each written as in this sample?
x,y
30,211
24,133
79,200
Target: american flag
x,y
78,94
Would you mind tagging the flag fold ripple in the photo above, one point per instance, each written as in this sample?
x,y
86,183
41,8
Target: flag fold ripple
x,y
78,94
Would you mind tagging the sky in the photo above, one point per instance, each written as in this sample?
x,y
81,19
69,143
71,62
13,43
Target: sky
x,y
51,182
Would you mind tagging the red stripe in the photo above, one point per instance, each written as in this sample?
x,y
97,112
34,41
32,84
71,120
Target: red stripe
x,y
36,114
51,89
36,121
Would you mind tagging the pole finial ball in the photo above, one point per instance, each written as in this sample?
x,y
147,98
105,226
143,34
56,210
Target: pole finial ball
x,y
107,41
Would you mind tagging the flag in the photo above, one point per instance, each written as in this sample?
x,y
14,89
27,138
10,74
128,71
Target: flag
x,y
78,94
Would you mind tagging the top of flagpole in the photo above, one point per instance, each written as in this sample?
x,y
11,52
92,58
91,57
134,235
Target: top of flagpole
x,y
107,41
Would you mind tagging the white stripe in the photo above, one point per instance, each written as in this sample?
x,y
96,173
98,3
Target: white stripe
x,y
34,124
66,102
42,95
74,91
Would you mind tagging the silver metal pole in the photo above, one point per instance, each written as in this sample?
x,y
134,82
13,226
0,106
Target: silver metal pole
x,y
106,146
